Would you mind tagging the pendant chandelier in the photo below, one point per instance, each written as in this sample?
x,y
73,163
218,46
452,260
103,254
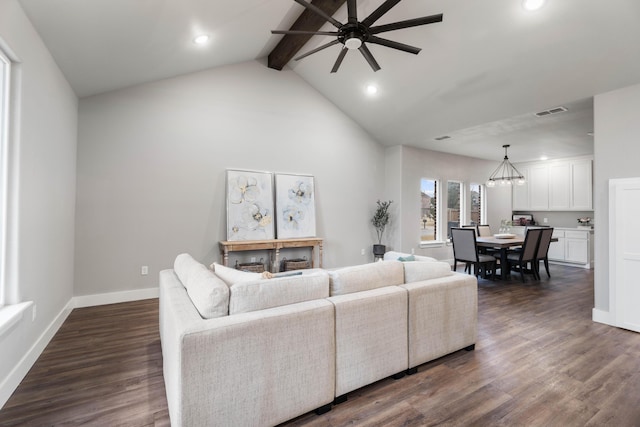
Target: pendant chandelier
x,y
505,173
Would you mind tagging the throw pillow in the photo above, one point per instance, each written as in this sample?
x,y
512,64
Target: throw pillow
x,y
208,293
407,258
232,276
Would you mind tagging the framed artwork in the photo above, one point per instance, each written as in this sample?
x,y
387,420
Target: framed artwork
x,y
250,205
295,206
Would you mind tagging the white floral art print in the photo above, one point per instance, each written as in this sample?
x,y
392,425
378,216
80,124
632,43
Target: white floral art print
x,y
295,206
249,205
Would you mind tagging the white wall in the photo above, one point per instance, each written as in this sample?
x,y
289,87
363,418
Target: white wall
x,y
407,165
152,161
616,151
42,180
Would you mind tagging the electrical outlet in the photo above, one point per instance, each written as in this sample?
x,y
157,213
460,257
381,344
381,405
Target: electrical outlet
x,y
413,251
361,251
545,220
253,259
144,270
33,313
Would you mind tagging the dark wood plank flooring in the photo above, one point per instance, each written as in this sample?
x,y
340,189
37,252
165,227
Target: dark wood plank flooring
x,y
539,361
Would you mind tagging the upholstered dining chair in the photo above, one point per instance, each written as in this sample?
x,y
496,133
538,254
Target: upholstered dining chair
x,y
543,251
527,255
465,250
484,230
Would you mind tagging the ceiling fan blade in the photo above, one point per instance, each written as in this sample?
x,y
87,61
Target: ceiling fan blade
x,y
343,53
315,33
364,50
394,45
376,14
318,49
352,11
320,12
406,24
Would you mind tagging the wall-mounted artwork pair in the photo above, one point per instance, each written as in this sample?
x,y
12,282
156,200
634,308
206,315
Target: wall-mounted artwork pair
x,y
252,213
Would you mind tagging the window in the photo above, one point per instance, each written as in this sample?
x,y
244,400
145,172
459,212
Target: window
x,y
4,112
454,218
428,210
477,204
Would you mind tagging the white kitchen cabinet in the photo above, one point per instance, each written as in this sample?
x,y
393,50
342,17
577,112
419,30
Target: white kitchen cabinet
x,y
555,186
581,185
560,186
574,247
520,201
539,188
556,249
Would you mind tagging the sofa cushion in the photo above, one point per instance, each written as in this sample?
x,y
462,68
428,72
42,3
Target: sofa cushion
x,y
418,271
208,293
231,276
393,256
365,277
266,293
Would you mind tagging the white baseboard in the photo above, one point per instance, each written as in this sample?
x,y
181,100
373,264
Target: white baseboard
x,y
114,297
18,373
602,316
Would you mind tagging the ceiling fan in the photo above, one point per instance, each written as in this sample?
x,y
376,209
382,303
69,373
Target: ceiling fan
x,y
355,34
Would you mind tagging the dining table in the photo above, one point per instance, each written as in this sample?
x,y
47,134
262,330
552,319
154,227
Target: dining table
x,y
503,242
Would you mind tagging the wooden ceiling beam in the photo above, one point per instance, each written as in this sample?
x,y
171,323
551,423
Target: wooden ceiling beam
x,y
308,21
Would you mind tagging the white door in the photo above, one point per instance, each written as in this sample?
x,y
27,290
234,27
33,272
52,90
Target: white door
x,y
624,251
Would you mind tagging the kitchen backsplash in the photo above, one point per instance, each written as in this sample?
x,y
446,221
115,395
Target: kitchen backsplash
x,y
560,219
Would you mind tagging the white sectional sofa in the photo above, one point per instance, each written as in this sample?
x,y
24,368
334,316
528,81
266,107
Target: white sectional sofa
x,y
239,349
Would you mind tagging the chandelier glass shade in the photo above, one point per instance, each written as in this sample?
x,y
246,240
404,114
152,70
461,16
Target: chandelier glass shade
x,y
505,173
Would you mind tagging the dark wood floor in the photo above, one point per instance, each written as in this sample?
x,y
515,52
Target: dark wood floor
x,y
539,361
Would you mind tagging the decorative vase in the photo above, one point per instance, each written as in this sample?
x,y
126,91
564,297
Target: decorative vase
x,y
379,250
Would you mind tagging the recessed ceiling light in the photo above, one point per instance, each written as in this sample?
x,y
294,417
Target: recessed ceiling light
x,y
544,158
201,39
372,90
590,133
532,4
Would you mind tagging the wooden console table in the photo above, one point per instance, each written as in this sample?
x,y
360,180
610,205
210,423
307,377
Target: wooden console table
x,y
272,245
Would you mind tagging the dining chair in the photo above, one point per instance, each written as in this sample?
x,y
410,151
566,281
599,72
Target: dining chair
x,y
465,250
527,255
484,230
543,251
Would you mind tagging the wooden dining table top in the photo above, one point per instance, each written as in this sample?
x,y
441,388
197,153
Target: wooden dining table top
x,y
494,242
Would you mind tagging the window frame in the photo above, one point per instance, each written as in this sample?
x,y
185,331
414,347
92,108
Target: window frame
x,y
5,87
437,241
482,191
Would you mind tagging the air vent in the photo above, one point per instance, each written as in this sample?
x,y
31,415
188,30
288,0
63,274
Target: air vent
x,y
442,138
550,111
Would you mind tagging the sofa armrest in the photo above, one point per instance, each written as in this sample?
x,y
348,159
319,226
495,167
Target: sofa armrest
x,y
443,316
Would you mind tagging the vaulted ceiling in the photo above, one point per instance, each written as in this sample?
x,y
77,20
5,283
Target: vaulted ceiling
x,y
479,78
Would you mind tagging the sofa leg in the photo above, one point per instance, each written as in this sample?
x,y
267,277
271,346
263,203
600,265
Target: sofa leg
x,y
412,371
398,375
471,347
323,409
340,399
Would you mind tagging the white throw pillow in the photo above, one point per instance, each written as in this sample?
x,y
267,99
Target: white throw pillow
x,y
418,271
208,293
232,276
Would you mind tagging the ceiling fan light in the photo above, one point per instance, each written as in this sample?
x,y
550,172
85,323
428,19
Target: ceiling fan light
x,y
533,4
353,43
